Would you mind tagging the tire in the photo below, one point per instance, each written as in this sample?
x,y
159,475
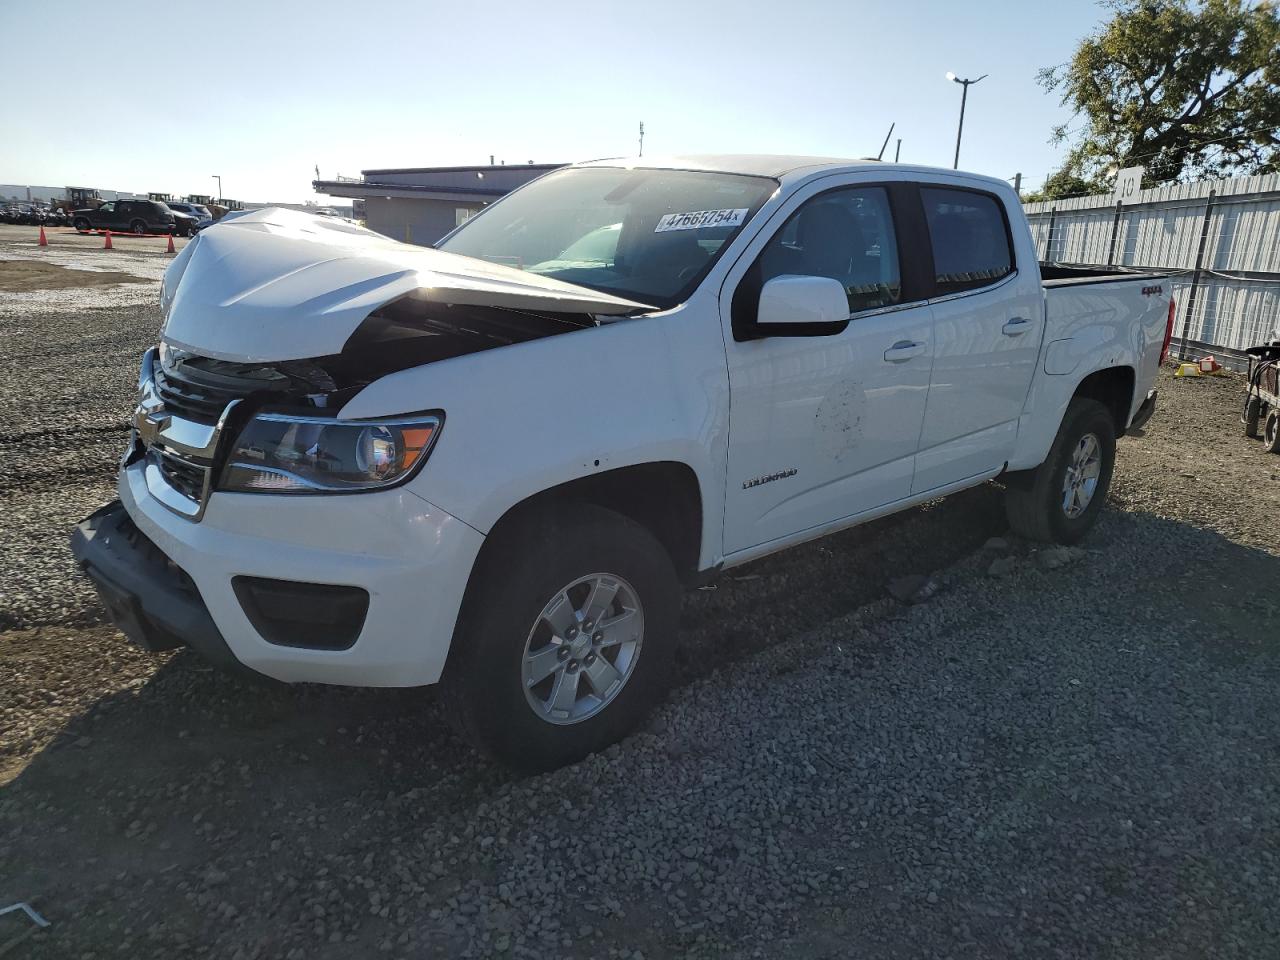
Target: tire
x,y
139,227
1251,414
1036,501
561,555
82,225
1271,432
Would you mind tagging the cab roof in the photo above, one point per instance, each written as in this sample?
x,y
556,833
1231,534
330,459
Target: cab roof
x,y
774,166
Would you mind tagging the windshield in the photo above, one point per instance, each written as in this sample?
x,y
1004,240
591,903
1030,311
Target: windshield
x,y
646,235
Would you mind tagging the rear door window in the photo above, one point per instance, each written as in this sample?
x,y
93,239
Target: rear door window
x,y
969,234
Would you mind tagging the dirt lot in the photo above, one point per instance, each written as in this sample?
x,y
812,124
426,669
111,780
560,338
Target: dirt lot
x,y
1059,754
22,276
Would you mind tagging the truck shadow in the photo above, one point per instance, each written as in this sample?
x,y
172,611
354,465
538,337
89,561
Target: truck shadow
x,y
193,765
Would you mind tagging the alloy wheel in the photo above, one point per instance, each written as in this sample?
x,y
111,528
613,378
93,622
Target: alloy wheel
x,y
582,648
1081,478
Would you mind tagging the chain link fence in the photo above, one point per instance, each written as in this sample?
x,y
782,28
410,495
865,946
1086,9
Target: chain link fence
x,y
1221,237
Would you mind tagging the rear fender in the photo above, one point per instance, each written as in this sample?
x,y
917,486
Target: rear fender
x,y
1092,327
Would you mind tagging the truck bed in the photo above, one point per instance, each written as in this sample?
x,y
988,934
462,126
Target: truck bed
x,y
1061,274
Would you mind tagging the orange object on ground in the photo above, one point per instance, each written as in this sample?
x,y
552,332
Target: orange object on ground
x,y
171,249
43,241
107,245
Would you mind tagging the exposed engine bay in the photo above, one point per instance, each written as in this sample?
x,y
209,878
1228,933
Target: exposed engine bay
x,y
406,333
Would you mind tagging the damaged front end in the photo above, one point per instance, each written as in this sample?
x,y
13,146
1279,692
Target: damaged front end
x,y
243,393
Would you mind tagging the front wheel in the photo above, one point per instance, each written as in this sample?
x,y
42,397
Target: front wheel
x,y
565,639
1060,500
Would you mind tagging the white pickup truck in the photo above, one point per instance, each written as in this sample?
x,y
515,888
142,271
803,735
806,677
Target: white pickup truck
x,y
496,462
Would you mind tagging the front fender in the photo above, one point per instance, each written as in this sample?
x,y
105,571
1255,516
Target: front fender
x,y
524,418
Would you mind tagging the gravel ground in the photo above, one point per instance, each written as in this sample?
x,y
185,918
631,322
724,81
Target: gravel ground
x,y
1060,753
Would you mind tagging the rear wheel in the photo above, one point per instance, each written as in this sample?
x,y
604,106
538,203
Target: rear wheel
x,y
1060,500
1251,415
81,224
566,637
139,227
1271,432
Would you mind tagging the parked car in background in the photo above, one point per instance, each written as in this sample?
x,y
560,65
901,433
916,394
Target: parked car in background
x,y
184,225
493,464
200,214
129,216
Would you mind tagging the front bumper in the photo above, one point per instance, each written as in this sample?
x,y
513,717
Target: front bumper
x,y
412,558
153,602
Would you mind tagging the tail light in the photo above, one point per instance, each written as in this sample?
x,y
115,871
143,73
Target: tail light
x,y
1168,332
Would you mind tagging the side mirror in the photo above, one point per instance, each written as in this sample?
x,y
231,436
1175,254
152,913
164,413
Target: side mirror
x,y
796,306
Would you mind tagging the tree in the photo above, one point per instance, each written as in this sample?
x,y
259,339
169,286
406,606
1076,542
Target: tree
x,y
1185,91
1064,183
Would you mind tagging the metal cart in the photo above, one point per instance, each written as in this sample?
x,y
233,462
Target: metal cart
x,y
1262,395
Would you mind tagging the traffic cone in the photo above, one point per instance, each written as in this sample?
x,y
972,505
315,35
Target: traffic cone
x,y
107,245
43,241
171,249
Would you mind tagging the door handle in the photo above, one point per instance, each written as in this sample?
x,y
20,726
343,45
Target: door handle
x,y
1016,327
904,350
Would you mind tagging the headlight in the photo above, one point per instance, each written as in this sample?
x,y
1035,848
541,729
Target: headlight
x,y
279,453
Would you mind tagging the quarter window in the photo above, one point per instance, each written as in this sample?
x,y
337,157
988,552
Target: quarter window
x,y
969,236
844,234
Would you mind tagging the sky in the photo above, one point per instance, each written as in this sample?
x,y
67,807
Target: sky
x,y
262,92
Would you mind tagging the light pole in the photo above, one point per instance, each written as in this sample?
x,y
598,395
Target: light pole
x,y
963,97
219,179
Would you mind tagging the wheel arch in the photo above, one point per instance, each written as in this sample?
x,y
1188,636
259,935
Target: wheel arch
x,y
662,496
1113,387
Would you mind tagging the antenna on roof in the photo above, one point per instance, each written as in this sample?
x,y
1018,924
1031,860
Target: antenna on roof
x,y
880,155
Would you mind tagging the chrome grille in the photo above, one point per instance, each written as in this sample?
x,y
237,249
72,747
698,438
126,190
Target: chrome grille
x,y
188,399
188,478
183,410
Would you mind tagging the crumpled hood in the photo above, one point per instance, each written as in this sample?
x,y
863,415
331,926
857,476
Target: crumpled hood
x,y
279,284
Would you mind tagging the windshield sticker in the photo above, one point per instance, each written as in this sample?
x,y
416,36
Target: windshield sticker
x,y
697,219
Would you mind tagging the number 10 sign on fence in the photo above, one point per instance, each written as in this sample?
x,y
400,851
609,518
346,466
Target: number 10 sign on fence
x,y
1128,183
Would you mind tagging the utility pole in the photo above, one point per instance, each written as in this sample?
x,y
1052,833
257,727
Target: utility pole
x,y
963,98
219,179
642,138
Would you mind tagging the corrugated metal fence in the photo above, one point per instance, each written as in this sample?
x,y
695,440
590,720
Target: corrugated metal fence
x,y
1223,236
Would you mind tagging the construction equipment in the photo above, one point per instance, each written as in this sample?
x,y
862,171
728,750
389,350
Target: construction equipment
x,y
79,198
160,197
219,208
